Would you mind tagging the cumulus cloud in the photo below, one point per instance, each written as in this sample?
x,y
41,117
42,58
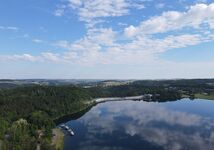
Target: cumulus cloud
x,y
93,11
102,47
196,16
90,9
130,31
137,44
138,6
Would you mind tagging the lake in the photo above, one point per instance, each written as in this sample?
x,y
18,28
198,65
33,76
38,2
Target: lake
x,y
138,125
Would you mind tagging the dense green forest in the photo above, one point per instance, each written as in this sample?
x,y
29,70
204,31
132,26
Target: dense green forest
x,y
28,112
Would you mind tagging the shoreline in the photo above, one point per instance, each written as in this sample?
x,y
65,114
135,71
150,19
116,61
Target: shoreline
x,y
69,116
88,105
96,101
59,142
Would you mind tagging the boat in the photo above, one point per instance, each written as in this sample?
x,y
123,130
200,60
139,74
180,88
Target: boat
x,y
71,132
62,126
66,127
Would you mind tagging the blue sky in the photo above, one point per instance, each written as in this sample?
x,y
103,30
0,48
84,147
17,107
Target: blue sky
x,y
114,39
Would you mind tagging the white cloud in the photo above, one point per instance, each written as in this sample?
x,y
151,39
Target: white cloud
x,y
89,49
51,57
90,9
138,5
12,28
195,17
43,57
137,45
130,31
62,43
93,11
37,41
60,10
102,47
24,57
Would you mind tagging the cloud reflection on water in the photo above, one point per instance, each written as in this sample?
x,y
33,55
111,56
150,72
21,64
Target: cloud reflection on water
x,y
158,125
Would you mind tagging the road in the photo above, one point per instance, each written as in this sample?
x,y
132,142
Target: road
x,y
101,100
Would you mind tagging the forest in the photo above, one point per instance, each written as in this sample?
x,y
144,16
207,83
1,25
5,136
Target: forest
x,y
26,113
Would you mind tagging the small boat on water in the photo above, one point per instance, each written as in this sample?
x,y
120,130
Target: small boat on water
x,y
66,127
71,132
62,126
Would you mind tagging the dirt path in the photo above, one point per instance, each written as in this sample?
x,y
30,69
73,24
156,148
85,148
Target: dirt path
x,y
38,147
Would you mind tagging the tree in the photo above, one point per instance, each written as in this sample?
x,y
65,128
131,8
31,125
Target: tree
x,y
3,127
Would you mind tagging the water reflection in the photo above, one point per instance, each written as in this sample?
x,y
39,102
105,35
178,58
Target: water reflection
x,y
140,125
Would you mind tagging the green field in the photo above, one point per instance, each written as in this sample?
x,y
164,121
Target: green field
x,y
203,96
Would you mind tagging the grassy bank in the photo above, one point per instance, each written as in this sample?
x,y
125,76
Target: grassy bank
x,y
58,139
1,145
204,96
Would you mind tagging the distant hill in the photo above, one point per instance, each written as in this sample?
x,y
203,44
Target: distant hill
x,y
7,83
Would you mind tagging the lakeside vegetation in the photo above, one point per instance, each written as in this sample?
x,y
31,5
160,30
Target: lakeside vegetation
x,y
58,139
28,113
204,96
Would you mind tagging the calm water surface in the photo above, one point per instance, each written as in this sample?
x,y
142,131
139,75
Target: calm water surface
x,y
138,125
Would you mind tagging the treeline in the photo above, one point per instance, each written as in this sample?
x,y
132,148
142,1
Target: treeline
x,y
192,85
164,94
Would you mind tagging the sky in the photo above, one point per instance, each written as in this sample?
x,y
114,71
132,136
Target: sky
x,y
106,39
